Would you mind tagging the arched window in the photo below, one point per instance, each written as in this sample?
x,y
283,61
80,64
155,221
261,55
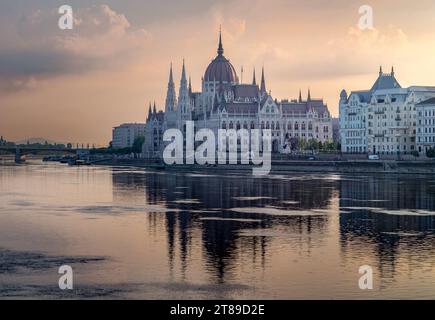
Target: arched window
x,y
277,126
273,125
310,126
267,125
303,126
262,124
224,125
231,125
289,126
238,125
245,125
252,125
296,126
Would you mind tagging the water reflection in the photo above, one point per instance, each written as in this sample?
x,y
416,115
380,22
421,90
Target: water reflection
x,y
194,235
384,220
201,207
392,219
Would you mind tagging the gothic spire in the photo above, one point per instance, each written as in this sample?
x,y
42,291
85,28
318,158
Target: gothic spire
x,y
300,95
149,112
263,82
154,108
254,81
183,74
309,95
183,95
220,50
190,85
171,97
392,71
380,71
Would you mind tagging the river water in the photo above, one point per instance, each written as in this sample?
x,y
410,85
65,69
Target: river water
x,y
142,234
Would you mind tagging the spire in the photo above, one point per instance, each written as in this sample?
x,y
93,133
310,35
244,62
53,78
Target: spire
x,y
392,71
309,95
254,81
183,95
171,98
149,112
220,50
183,73
380,71
171,76
263,82
190,85
300,95
154,108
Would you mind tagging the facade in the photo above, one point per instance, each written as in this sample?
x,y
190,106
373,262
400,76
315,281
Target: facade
x,y
425,125
225,103
124,135
381,120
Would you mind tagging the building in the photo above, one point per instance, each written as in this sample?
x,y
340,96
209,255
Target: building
x,y
124,135
381,120
225,103
425,125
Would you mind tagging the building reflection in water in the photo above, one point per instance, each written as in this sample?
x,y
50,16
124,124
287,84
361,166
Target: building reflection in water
x,y
388,218
200,209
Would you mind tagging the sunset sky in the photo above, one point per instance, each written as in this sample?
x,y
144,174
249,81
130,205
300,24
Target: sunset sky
x,y
74,86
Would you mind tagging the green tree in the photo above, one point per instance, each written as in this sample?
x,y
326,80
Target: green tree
x,y
430,153
137,144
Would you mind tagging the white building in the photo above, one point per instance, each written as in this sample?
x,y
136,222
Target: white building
x,y
226,103
124,135
425,125
381,120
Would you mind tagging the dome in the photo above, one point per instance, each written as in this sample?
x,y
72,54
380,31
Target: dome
x,y
221,69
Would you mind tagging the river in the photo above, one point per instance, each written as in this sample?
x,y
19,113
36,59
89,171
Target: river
x,y
133,233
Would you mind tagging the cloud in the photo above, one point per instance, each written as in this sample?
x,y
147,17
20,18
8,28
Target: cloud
x,y
100,38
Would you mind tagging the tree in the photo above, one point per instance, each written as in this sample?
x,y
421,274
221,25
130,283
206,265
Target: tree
x,y
415,153
430,153
137,144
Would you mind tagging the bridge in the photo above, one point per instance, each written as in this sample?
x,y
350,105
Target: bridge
x,y
19,151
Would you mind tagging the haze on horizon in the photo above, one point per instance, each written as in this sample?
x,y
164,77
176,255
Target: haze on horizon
x,y
74,86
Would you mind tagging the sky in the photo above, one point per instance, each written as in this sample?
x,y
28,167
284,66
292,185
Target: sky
x,y
75,85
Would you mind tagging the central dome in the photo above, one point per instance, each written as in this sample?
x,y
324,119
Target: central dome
x,y
221,69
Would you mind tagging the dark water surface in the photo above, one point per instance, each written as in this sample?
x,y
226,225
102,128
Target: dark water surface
x,y
131,233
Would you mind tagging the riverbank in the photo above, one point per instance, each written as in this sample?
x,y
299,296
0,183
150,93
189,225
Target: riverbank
x,y
357,166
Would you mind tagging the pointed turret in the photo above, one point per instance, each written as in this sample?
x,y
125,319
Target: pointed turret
x,y
190,86
254,81
154,109
171,98
220,50
380,71
392,71
149,113
309,95
300,96
183,96
263,82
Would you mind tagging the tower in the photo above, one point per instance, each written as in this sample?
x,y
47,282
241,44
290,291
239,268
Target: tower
x,y
183,109
171,98
263,83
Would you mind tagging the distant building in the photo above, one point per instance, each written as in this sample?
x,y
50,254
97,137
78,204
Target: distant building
x,y
124,135
225,103
381,120
425,125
